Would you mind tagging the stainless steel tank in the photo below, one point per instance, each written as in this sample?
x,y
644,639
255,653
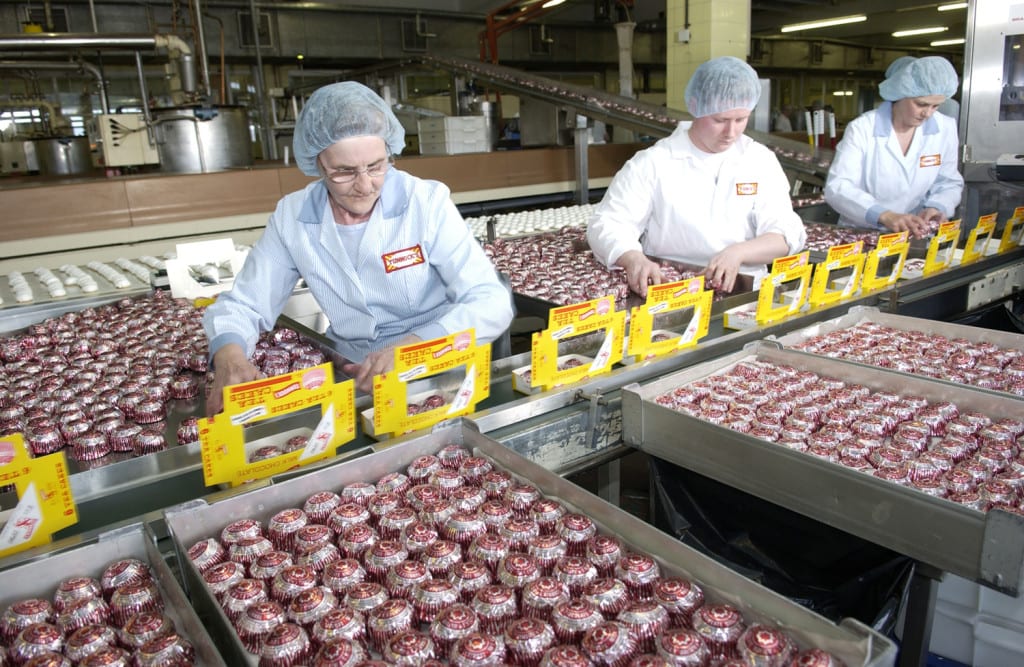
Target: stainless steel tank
x,y
201,138
60,156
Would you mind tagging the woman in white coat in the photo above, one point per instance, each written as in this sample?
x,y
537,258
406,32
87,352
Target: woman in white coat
x,y
896,167
707,195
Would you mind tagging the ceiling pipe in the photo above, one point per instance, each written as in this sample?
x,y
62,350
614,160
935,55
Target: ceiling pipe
x,y
80,66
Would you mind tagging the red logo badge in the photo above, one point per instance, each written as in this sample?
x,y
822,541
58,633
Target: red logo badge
x,y
930,160
403,259
746,188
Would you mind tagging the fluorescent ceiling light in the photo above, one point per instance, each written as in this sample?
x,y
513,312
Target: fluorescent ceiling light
x,y
948,42
952,6
824,23
920,31
551,3
843,93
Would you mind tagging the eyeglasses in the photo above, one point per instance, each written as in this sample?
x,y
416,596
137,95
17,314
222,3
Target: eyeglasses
x,y
375,170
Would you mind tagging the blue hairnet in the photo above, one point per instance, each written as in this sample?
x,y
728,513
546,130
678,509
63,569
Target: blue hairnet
x,y
897,64
933,75
722,84
339,111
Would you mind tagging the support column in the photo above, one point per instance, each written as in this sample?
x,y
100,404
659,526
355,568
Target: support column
x,y
718,28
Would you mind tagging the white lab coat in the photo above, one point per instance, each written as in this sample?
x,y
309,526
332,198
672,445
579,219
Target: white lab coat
x,y
870,174
665,203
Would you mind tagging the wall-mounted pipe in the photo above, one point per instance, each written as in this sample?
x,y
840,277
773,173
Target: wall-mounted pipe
x,y
175,46
204,65
80,66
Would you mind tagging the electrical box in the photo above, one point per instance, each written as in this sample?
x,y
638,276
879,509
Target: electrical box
x,y
125,140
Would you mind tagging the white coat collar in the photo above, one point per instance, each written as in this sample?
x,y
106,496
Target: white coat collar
x,y
394,197
680,147
883,121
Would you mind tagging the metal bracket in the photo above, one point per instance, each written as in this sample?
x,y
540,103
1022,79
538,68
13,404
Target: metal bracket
x,y
995,286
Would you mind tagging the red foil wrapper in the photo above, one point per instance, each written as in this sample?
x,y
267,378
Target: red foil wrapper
x,y
478,650
339,653
609,595
565,655
489,549
416,538
765,646
518,531
21,614
88,639
390,525
526,640
286,645
440,557
680,598
366,597
36,639
125,571
447,482
382,503
340,624
392,617
422,467
541,595
575,572
401,578
223,576
170,649
107,657
452,624
546,512
256,622
318,507
463,527
473,469
547,550
311,605
720,626
430,596
241,529
516,570
358,492
381,557
346,516
452,456
411,648
604,552
143,627
495,514
395,482
610,643
576,530
495,483
317,556
521,497
357,540
243,595
647,619
268,565
342,574
466,498
74,589
248,549
469,577
437,513
639,572
684,647
495,605
570,620
282,527
816,657
312,536
130,599
291,581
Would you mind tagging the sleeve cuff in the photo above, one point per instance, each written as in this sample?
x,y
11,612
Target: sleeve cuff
x,y
873,214
430,331
222,340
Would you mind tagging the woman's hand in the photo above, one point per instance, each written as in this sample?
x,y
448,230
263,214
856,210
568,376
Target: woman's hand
x,y
898,222
723,268
376,363
230,366
640,271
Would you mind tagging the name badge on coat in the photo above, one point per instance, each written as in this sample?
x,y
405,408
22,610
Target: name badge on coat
x,y
746,188
402,259
930,160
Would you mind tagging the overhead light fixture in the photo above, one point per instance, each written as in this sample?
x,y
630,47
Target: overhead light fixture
x,y
551,3
824,23
948,42
843,93
950,7
920,31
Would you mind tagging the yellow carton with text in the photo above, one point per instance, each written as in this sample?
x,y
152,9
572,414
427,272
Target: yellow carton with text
x,y
941,248
826,288
663,300
978,241
895,245
566,322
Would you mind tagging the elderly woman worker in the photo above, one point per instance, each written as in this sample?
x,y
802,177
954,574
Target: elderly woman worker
x,y
896,167
386,255
707,195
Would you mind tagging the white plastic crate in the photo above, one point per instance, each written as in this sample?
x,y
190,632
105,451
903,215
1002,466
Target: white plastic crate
x,y
453,125
960,591
997,643
1001,606
452,146
453,134
953,631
